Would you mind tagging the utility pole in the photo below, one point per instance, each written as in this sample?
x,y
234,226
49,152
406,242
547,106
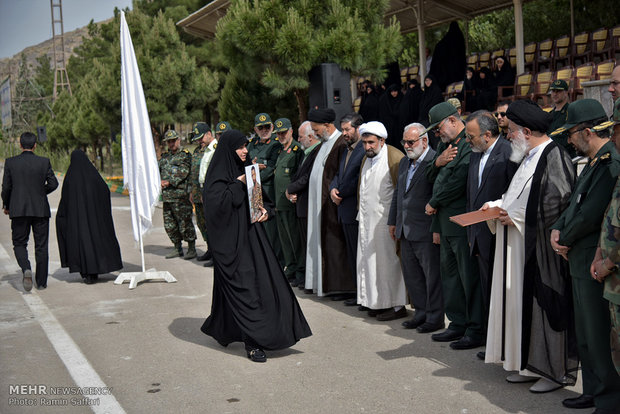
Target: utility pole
x,y
61,78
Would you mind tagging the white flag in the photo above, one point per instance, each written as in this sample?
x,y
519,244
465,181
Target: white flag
x,y
140,169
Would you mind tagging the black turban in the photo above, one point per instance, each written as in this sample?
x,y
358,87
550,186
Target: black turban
x,y
528,114
322,116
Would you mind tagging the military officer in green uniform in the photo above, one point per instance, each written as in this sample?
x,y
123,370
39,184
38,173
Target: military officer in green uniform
x,y
575,237
459,271
559,96
607,258
289,160
174,168
220,128
201,134
263,150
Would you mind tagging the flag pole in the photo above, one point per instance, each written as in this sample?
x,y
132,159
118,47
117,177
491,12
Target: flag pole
x,y
141,246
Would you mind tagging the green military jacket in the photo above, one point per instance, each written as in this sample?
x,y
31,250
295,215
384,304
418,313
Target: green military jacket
x,y
193,175
610,245
265,153
175,168
579,224
449,187
287,164
559,119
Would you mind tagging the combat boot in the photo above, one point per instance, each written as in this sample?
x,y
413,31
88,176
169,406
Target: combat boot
x,y
191,250
177,252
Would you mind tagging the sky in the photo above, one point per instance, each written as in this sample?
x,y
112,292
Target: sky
x,y
26,23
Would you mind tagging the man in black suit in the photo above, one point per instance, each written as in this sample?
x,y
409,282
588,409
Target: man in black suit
x,y
27,180
343,192
297,190
407,222
490,172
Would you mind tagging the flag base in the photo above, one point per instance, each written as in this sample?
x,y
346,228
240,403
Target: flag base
x,y
136,277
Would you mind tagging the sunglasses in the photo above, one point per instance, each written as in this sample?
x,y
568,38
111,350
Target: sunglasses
x,y
498,114
264,127
410,143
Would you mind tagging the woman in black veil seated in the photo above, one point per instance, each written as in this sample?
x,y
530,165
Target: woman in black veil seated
x,y
252,300
84,226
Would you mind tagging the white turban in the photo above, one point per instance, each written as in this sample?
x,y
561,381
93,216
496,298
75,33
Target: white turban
x,y
375,128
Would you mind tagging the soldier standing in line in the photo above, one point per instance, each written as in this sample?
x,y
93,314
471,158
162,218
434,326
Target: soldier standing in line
x,y
289,160
174,168
264,150
202,135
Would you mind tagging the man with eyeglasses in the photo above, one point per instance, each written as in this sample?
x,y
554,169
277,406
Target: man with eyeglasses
x,y
575,236
419,255
490,172
502,121
459,271
264,150
559,96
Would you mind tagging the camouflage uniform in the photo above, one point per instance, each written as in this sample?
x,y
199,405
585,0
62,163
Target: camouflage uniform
x,y
175,168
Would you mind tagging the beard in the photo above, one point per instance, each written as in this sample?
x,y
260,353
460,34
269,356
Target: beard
x,y
324,135
519,147
445,139
371,153
414,153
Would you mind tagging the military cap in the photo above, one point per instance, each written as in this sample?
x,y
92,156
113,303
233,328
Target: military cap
x,y
454,102
558,85
170,135
262,119
282,125
222,127
438,113
584,110
199,130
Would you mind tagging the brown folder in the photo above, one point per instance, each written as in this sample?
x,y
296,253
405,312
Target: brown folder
x,y
477,216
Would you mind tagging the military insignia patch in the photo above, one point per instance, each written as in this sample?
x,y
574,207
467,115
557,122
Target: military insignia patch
x,y
262,118
222,126
287,170
295,148
279,124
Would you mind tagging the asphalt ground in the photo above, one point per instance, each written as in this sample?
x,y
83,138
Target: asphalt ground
x,y
111,349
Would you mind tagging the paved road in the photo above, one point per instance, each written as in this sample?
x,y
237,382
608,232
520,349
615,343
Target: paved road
x,y
146,347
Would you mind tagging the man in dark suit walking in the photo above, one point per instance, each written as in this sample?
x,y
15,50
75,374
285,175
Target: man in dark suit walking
x,y
27,180
343,192
407,221
490,172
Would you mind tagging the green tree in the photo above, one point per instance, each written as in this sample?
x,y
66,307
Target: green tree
x,y
276,42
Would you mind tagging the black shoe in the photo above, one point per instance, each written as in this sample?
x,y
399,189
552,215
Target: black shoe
x,y
362,308
41,287
481,355
341,296
428,327
391,314
205,256
350,302
257,355
412,323
27,280
208,263
301,286
89,279
294,283
308,291
467,342
447,336
583,401
374,312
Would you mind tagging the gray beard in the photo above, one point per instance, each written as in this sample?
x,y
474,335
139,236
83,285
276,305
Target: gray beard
x,y
519,149
413,155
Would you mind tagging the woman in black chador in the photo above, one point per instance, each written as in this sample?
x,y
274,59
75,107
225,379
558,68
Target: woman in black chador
x,y
252,300
84,226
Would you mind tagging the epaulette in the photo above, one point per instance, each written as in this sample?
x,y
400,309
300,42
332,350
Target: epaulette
x,y
276,138
605,157
295,148
215,145
185,150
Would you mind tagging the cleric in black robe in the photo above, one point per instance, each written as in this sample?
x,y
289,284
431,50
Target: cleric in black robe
x,y
84,226
252,300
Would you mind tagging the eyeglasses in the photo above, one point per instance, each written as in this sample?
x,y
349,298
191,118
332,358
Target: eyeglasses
x,y
406,142
498,114
261,127
438,127
471,137
570,134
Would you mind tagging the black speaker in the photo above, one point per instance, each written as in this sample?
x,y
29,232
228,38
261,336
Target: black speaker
x,y
41,134
330,87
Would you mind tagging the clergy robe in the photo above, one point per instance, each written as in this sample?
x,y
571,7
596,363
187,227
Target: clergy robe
x,y
530,322
316,201
379,276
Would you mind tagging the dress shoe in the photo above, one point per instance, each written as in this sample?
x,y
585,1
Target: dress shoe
x,y
362,308
391,314
428,327
205,256
520,379
544,385
374,312
481,355
27,280
412,323
448,335
257,355
467,342
294,283
308,291
583,401
302,286
341,296
41,287
208,263
350,302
